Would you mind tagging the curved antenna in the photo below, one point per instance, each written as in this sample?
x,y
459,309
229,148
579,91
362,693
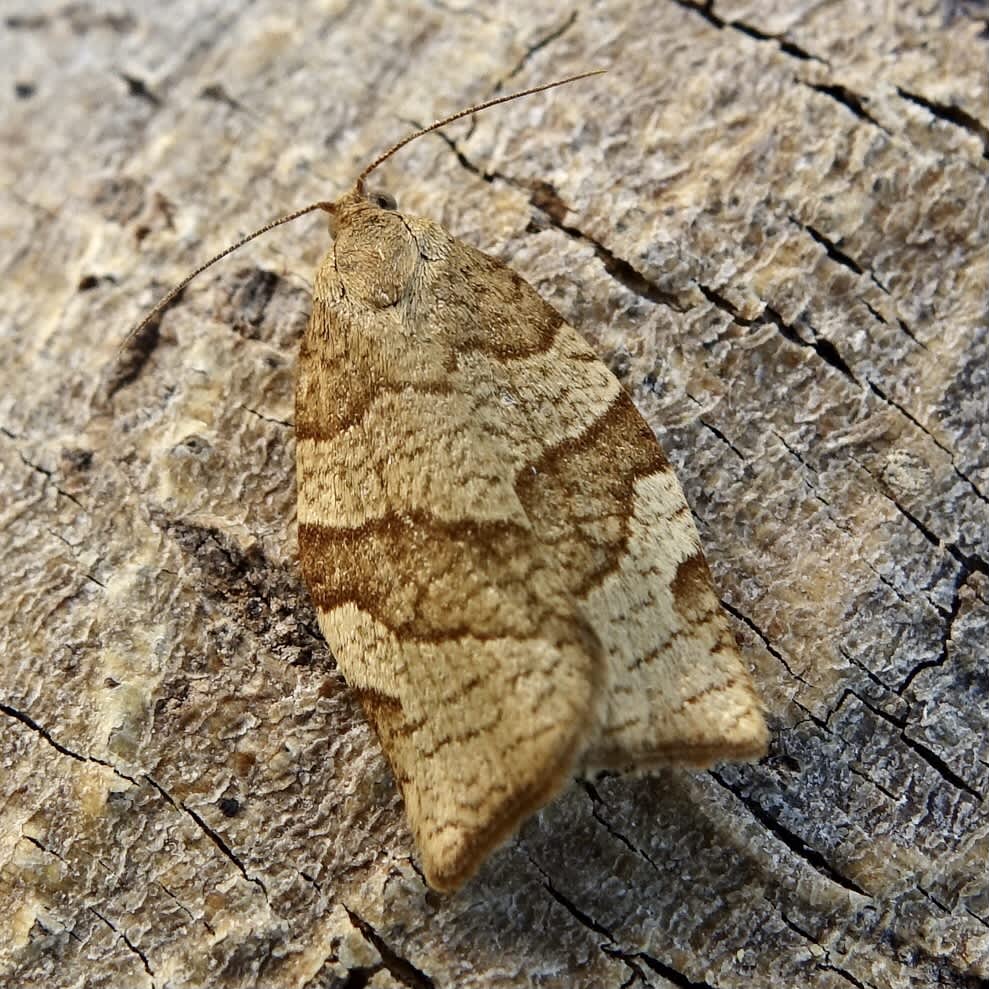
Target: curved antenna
x,y
165,302
436,125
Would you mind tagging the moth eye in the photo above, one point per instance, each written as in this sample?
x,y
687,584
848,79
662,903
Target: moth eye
x,y
383,200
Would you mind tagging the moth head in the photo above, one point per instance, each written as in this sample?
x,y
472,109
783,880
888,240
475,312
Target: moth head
x,y
360,201
375,253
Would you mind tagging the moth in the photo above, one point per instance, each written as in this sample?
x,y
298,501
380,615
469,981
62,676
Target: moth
x,y
502,559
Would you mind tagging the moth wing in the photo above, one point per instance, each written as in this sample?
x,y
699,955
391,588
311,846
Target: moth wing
x,y
502,559
598,490
445,610
612,508
480,733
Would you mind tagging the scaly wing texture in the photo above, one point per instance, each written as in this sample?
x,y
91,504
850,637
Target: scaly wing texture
x,y
447,614
502,560
678,691
598,490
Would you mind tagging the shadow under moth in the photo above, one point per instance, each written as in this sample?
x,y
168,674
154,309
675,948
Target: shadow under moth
x,y
502,559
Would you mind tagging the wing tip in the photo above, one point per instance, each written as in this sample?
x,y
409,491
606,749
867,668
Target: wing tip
x,y
455,852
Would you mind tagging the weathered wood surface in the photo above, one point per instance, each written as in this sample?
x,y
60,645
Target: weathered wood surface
x,y
769,218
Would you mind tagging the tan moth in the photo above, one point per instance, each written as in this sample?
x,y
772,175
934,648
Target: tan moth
x,y
502,559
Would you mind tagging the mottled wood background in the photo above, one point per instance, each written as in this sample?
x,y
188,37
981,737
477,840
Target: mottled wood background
x,y
770,218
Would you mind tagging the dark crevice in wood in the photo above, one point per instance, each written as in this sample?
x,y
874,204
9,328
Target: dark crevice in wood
x,y
795,453
794,842
967,560
835,253
138,88
311,880
27,22
724,439
880,393
618,268
926,754
865,776
49,476
596,811
831,248
358,978
879,317
812,485
401,969
623,272
824,348
774,652
928,895
612,948
906,329
847,98
950,617
982,920
29,722
722,303
952,115
462,159
796,928
272,419
881,684
938,764
44,848
536,46
127,941
584,919
787,47
672,975
636,977
825,966
209,927
706,10
218,94
717,432
847,976
213,836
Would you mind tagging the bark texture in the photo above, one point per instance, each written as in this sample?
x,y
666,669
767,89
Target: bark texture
x,y
771,220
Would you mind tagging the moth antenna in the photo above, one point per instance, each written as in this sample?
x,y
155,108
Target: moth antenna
x,y
436,125
164,303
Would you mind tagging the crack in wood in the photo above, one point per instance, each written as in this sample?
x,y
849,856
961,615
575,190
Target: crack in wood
x,y
401,969
836,254
29,722
927,755
596,804
536,46
961,579
770,648
794,842
706,10
951,114
850,100
617,267
213,836
127,941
